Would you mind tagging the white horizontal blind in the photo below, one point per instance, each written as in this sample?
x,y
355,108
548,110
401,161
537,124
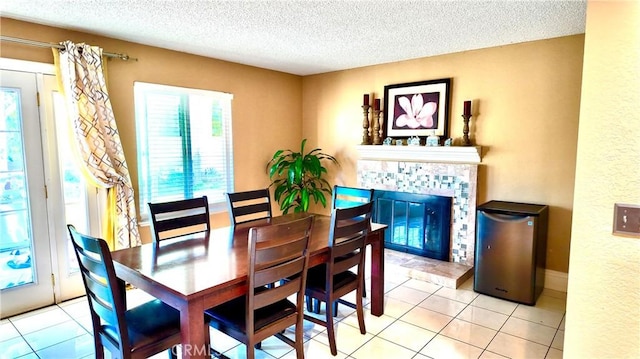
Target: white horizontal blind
x,y
184,144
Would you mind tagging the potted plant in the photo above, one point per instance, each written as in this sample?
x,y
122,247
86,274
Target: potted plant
x,y
298,177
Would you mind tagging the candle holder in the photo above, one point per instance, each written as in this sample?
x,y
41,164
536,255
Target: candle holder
x,y
366,139
375,128
465,130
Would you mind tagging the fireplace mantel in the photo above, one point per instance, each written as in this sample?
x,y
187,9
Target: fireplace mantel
x,y
444,154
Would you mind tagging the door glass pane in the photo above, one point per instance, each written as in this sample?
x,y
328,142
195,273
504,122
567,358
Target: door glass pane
x,y
15,223
73,185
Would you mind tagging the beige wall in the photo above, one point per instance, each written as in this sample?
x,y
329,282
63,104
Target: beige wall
x,y
603,303
266,104
526,105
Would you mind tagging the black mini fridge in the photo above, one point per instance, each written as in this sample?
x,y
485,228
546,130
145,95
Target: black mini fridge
x,y
510,250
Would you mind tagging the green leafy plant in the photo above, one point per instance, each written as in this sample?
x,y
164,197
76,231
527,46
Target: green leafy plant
x,y
298,177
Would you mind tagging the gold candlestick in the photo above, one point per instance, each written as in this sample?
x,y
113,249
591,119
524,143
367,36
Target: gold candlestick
x,y
465,130
366,139
375,128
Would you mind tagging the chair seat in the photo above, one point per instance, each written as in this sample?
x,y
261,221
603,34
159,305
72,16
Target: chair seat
x,y
316,277
149,323
232,313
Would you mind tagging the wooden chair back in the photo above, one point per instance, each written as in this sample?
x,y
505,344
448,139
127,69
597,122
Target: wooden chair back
x,y
328,283
114,328
278,269
349,229
344,197
249,205
178,218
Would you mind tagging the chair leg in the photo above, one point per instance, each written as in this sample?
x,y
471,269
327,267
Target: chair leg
x,y
299,345
330,329
335,308
360,313
309,302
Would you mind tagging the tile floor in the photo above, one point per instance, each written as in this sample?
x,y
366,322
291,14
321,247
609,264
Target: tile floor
x,y
421,320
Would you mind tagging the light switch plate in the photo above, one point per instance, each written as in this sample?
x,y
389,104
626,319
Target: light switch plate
x,y
626,220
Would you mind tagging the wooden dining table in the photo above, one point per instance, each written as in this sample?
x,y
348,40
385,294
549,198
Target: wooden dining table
x,y
196,272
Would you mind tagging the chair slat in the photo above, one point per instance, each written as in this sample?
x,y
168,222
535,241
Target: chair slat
x,y
178,218
249,205
124,338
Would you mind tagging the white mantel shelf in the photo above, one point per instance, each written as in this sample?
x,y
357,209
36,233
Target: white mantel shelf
x,y
445,154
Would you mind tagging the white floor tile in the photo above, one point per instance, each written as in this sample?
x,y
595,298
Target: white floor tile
x,y
443,305
316,350
427,319
54,334
373,324
490,355
77,347
422,285
348,338
558,340
409,295
407,335
395,308
38,319
7,330
534,332
551,303
442,347
554,354
540,316
514,347
459,295
470,333
494,304
13,348
380,348
485,317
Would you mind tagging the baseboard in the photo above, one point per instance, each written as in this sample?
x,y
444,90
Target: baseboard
x,y
556,280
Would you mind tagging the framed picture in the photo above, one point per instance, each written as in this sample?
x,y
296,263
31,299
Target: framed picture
x,y
417,108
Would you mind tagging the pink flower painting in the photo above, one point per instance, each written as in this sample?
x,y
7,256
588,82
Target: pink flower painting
x,y
417,113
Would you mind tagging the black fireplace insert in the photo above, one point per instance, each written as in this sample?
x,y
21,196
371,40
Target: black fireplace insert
x,y
417,223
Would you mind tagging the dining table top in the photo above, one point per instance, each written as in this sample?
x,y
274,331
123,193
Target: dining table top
x,y
189,265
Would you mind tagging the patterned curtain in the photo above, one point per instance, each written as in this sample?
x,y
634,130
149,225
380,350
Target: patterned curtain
x,y
82,82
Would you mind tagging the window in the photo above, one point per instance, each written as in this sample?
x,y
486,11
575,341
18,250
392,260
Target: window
x,y
184,144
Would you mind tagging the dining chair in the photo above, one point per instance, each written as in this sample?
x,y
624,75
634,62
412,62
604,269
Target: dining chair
x,y
249,205
278,259
344,197
178,218
140,332
330,282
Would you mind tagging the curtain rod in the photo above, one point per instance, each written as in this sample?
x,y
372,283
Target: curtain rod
x,y
123,57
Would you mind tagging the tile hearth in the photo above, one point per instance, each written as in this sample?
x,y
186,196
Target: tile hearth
x,y
447,274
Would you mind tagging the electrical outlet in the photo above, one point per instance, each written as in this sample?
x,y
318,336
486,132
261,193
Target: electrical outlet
x,y
626,220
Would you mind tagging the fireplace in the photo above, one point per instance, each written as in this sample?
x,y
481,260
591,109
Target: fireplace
x,y
449,172
417,223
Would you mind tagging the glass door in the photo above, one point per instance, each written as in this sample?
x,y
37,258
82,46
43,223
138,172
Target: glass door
x,y
25,257
41,191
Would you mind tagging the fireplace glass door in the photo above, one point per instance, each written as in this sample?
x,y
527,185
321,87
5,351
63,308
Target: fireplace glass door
x,y
418,223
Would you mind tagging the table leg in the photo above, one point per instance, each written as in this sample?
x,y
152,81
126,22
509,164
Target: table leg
x,y
195,336
377,274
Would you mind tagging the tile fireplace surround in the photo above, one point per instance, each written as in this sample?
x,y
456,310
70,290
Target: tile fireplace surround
x,y
442,171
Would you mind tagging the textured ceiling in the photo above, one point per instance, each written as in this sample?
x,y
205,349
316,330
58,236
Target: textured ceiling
x,y
309,37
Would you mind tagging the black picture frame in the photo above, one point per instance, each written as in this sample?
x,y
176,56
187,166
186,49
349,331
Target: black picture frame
x,y
433,98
